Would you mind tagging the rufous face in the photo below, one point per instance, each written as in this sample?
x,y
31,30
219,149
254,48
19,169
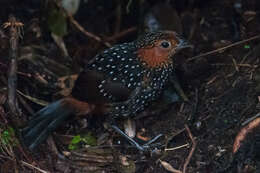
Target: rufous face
x,y
159,53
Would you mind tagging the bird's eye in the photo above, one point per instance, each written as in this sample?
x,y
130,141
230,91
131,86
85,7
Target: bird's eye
x,y
165,44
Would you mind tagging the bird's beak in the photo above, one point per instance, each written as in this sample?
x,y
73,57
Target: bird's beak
x,y
183,44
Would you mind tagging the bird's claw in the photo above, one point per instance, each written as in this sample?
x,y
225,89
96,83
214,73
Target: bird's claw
x,y
147,147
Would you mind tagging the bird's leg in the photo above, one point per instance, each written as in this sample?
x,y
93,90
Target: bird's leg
x,y
128,108
142,148
133,142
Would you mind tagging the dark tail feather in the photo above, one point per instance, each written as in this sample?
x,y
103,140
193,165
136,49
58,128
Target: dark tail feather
x,y
44,122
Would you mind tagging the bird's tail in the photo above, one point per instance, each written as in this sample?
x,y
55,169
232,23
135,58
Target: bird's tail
x,y
49,118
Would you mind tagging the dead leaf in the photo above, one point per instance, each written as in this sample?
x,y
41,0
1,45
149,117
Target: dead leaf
x,y
169,167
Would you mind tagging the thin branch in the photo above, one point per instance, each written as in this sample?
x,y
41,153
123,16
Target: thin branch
x,y
176,148
194,144
223,48
14,31
87,33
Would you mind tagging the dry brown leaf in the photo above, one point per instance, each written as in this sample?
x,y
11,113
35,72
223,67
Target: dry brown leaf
x,y
169,167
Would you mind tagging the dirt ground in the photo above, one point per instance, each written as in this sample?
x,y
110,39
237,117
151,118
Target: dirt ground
x,y
222,86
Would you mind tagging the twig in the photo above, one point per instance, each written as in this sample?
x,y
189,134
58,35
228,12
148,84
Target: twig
x,y
171,137
122,34
26,106
18,72
33,167
194,144
223,48
250,119
32,99
176,148
88,34
14,32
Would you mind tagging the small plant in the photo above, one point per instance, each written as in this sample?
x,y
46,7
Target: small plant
x,y
7,140
7,137
79,140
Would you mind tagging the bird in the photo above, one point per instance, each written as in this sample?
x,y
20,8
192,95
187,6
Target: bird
x,y
119,82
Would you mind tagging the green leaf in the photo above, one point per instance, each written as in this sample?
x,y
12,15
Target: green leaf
x,y
72,147
89,140
7,137
247,46
76,139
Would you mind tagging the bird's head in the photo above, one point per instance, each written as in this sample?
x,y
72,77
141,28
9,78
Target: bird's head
x,y
155,49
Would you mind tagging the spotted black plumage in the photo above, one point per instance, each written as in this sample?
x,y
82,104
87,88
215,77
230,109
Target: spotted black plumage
x,y
122,65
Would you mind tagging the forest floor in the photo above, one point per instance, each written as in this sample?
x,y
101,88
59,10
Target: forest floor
x,y
222,87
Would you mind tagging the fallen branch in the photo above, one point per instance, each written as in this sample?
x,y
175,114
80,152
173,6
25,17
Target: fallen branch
x,y
223,48
250,126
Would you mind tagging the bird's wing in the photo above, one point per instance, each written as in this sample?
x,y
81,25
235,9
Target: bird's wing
x,y
110,77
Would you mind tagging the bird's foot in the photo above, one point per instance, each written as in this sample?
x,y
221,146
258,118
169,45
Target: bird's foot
x,y
143,148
